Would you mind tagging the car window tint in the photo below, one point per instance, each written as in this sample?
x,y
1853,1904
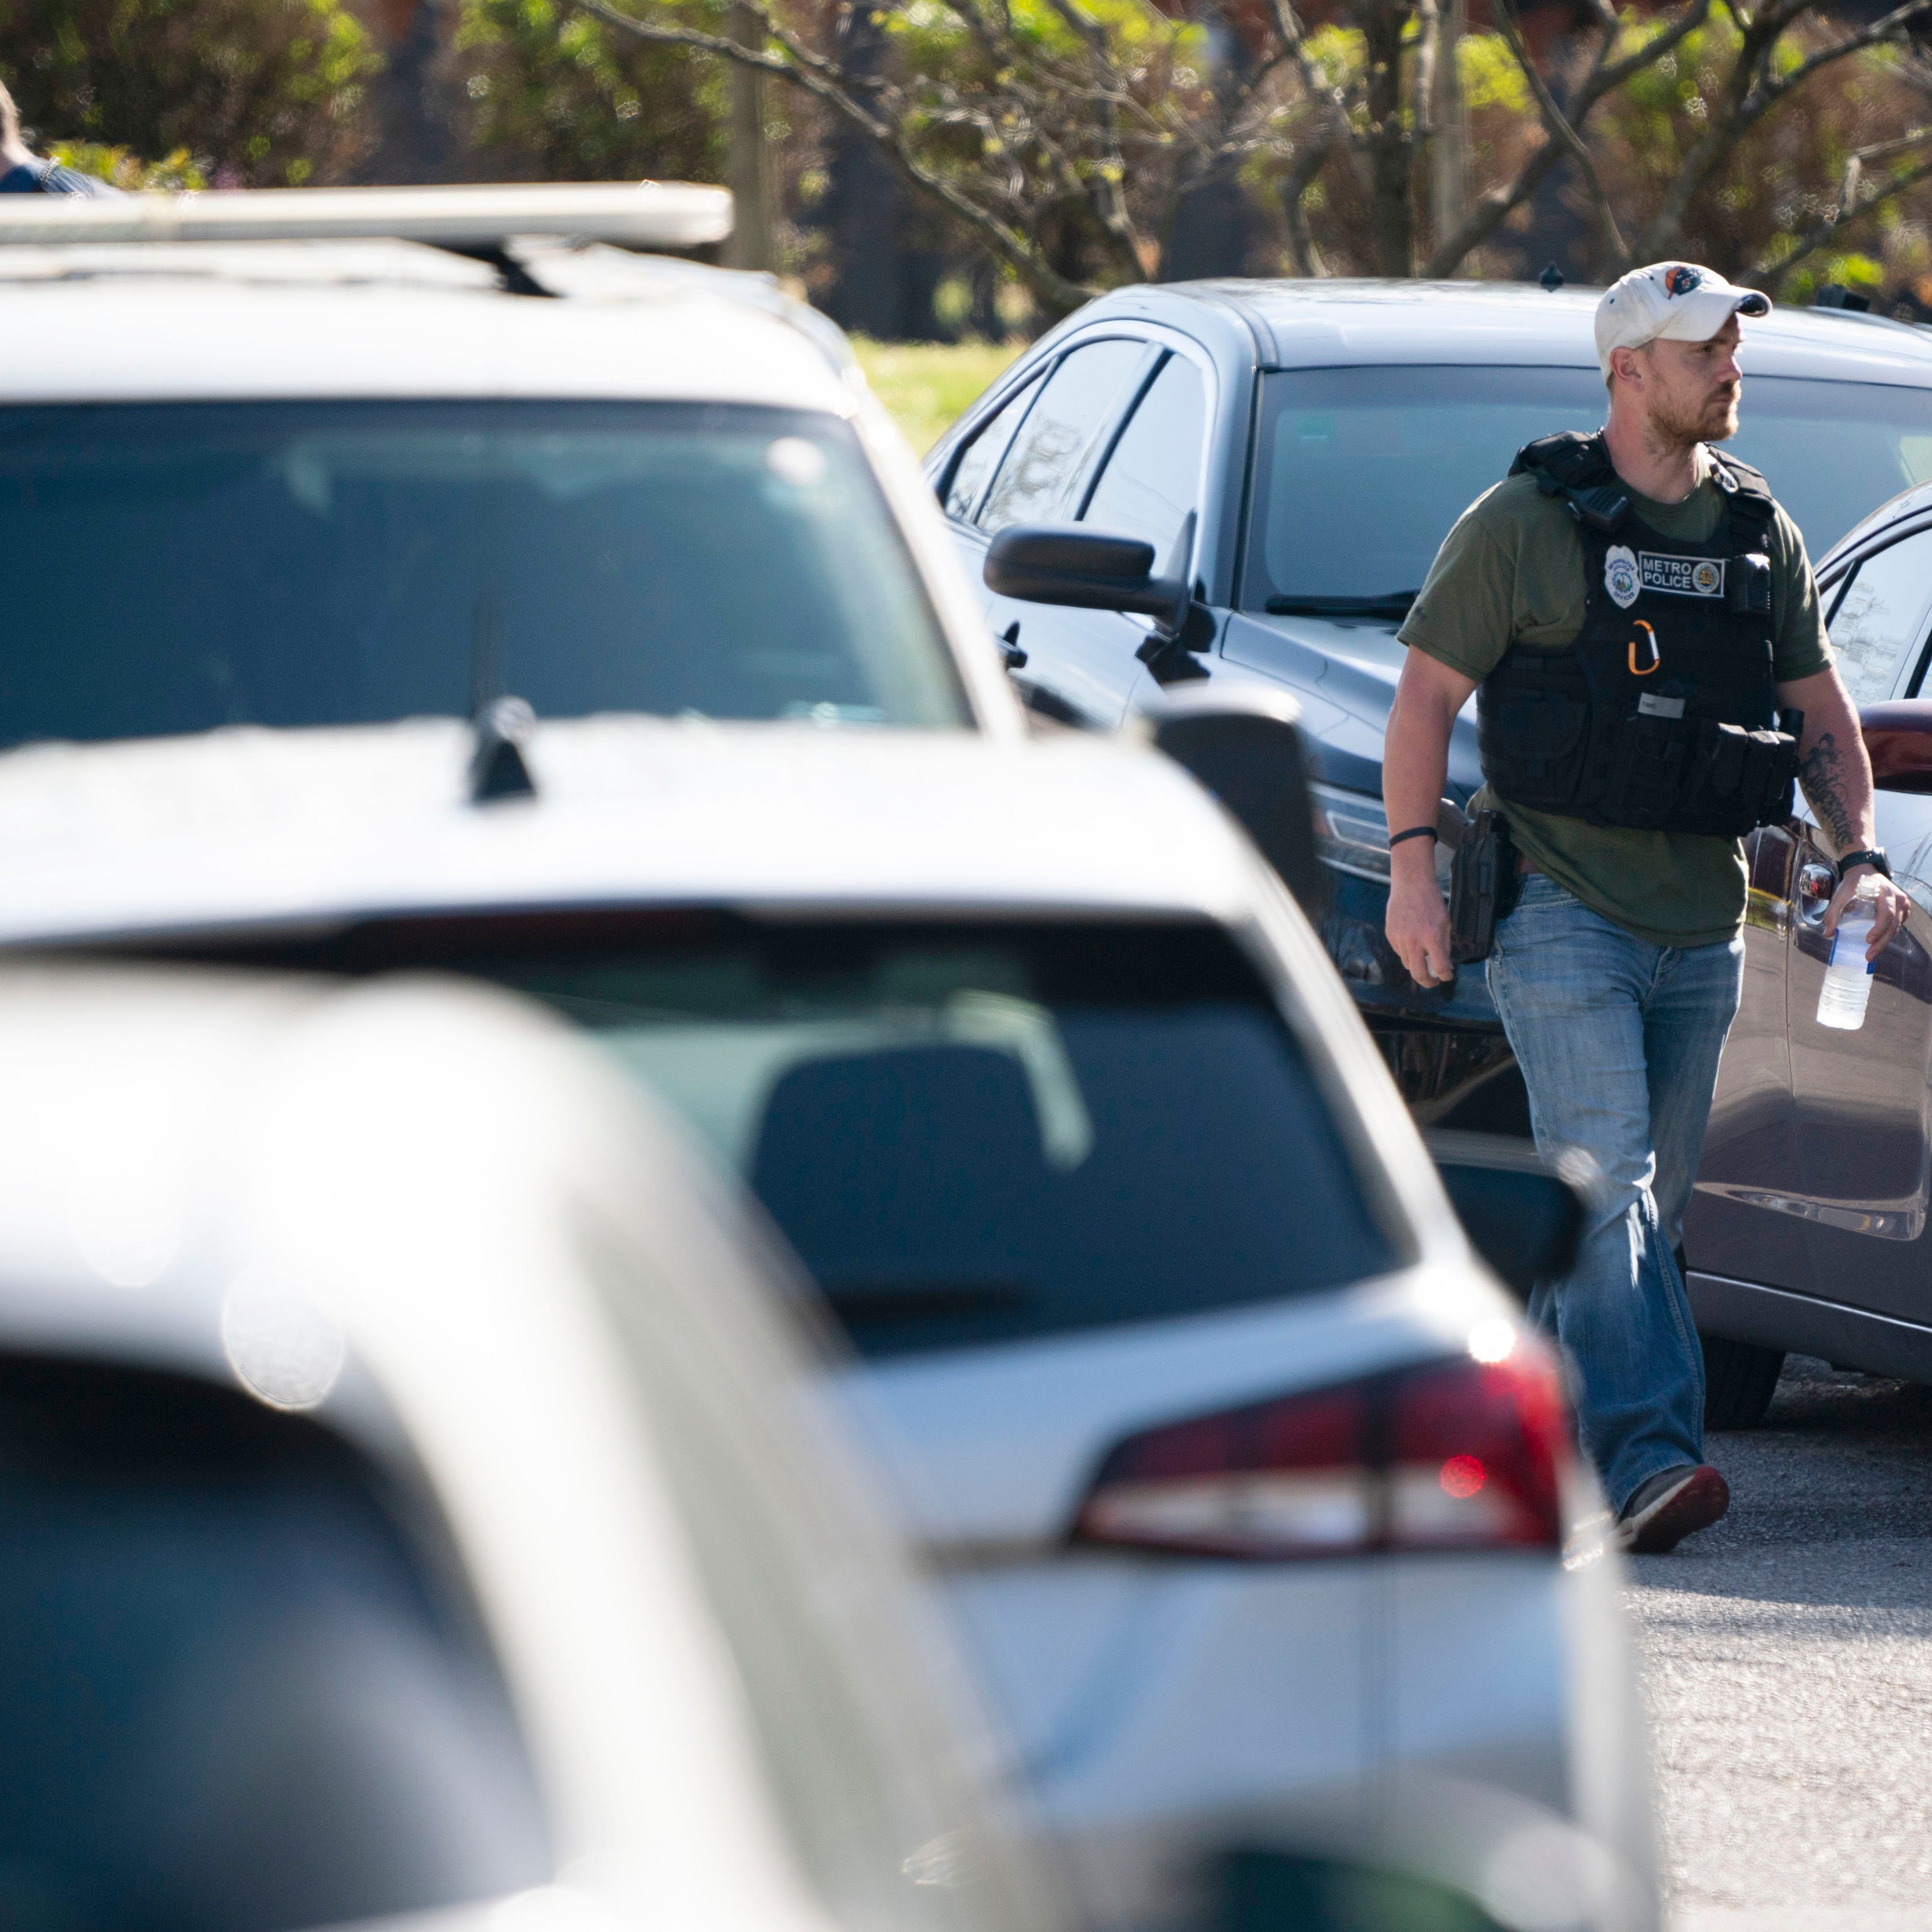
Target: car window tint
x,y
1880,619
1040,480
1151,480
976,462
970,1135
1361,472
1833,451
179,567
234,1698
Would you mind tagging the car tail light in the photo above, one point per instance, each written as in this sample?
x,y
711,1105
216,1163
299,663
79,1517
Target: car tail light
x,y
1465,1453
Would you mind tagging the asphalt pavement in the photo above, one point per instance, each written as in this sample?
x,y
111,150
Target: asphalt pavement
x,y
1788,1665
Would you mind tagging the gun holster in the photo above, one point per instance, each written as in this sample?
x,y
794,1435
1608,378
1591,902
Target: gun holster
x,y
1482,882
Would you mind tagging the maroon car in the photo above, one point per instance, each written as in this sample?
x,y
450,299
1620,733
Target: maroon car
x,y
1807,1229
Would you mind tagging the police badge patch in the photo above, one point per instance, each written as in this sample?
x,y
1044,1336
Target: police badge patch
x,y
1620,576
1681,576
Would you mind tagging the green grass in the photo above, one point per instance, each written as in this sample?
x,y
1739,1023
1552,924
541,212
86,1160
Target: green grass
x,y
925,385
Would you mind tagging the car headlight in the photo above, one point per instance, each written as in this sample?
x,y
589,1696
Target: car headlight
x,y
1352,835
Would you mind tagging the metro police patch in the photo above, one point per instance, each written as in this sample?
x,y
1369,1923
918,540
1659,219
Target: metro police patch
x,y
1681,576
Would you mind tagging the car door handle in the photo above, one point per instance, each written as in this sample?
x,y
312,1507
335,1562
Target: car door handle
x,y
1009,641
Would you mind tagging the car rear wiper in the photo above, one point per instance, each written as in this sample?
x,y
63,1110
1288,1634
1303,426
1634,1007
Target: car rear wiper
x,y
1390,604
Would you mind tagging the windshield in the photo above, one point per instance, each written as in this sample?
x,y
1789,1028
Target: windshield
x,y
1362,471
970,1135
174,568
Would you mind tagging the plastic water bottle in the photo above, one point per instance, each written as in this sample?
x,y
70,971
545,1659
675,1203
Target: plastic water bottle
x,y
1841,999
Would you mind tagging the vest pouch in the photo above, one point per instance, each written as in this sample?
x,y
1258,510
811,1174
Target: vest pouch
x,y
1721,760
1724,805
1740,780
1772,776
1649,767
1531,744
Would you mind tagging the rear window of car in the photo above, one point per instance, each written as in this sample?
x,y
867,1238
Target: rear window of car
x,y
234,1697
970,1134
172,568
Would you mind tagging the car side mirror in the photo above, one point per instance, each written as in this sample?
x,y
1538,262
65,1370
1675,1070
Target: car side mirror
x,y
1898,740
1067,563
1244,743
1521,1216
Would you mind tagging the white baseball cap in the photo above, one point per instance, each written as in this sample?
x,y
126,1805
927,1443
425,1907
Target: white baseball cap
x,y
1676,302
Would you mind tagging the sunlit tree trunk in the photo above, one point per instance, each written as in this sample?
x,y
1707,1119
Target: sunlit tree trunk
x,y
751,175
1391,152
1449,120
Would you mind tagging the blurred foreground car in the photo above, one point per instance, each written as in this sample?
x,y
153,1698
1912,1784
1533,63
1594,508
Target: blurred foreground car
x,y
1235,1464
304,457
411,1498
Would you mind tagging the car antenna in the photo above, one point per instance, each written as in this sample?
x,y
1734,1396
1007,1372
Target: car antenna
x,y
1553,278
512,277
497,768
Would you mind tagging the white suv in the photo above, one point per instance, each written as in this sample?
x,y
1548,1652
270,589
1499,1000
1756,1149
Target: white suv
x,y
1250,1491
292,459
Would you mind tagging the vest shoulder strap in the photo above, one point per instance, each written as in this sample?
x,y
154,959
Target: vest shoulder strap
x,y
1571,461
1746,481
1752,505
1578,469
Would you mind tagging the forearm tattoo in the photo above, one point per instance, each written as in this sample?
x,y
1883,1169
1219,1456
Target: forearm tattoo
x,y
1823,773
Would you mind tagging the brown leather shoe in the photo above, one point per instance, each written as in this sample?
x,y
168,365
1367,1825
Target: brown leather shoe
x,y
1671,1505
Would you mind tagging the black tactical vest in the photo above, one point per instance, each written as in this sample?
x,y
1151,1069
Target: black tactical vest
x,y
1662,716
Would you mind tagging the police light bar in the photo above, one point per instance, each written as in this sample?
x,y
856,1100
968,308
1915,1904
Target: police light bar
x,y
643,214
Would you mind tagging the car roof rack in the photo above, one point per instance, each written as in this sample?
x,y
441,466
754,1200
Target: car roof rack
x,y
639,215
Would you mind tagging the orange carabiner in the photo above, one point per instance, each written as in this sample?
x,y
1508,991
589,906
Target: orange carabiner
x,y
1656,656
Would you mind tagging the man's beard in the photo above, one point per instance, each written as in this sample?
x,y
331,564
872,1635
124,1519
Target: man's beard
x,y
1674,426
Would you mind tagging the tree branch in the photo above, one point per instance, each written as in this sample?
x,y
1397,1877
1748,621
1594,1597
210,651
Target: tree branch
x,y
1491,210
1288,30
1558,124
1768,274
830,84
1102,187
1310,159
1606,75
1752,92
1888,28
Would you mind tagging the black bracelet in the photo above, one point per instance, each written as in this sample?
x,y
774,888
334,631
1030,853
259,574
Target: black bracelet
x,y
1414,831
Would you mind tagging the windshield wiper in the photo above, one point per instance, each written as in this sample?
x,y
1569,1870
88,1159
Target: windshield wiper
x,y
1390,604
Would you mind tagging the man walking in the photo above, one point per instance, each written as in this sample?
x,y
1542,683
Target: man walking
x,y
1641,620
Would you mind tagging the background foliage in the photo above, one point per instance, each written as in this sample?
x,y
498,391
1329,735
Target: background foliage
x,y
256,93
1045,148
552,95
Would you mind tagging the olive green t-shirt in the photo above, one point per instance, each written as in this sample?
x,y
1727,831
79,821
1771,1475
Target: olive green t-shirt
x,y
1511,572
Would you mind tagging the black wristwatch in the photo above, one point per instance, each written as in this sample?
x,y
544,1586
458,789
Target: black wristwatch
x,y
1875,858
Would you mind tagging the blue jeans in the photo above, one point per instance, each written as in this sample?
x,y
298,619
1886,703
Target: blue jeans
x,y
1618,1041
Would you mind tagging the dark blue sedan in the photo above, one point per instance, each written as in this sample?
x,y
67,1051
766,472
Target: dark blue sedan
x,y
1292,453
